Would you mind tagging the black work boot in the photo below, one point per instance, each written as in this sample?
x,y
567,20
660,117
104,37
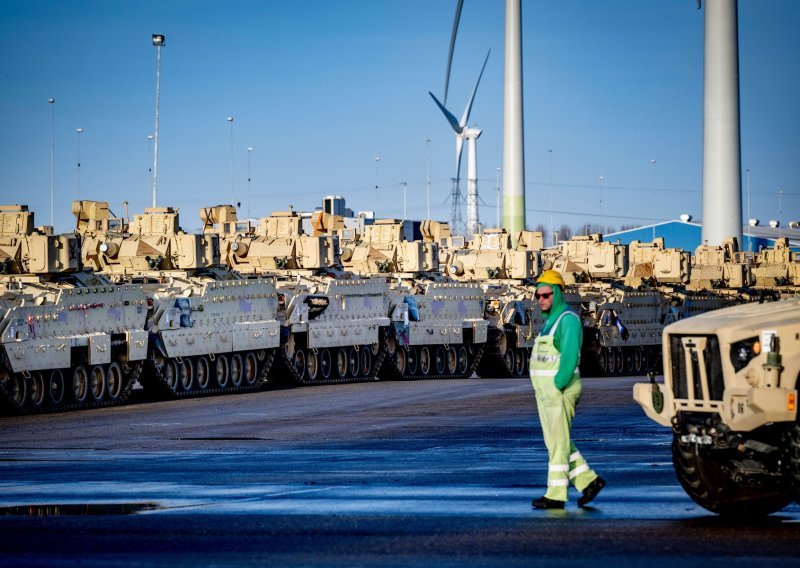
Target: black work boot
x,y
591,491
545,503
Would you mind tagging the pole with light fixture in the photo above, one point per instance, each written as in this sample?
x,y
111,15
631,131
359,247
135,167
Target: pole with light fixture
x,y
52,102
78,132
159,41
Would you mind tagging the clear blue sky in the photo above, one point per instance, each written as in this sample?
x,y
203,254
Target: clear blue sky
x,y
319,88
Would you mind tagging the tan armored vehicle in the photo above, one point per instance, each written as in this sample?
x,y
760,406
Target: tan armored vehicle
x,y
730,396
210,331
507,275
333,324
68,339
778,269
438,330
622,323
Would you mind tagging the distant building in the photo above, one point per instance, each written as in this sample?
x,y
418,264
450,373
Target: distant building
x,y
688,236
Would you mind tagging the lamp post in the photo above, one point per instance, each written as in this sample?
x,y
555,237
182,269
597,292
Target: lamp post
x,y
428,173
749,236
52,102
149,163
249,153
780,212
377,160
405,214
78,132
233,193
159,41
602,220
552,235
653,199
497,188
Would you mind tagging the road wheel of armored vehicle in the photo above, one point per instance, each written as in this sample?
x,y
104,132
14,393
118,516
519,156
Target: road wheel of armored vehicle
x,y
440,360
250,369
169,371
222,370
709,480
325,364
342,363
312,364
463,361
186,375
638,360
627,355
56,389
237,370
115,382
352,362
452,360
425,361
520,359
80,384
16,390
508,359
202,373
36,391
400,360
365,361
97,382
602,360
412,361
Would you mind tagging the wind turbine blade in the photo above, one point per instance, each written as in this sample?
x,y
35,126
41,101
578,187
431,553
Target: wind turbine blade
x,y
448,115
465,116
452,48
459,152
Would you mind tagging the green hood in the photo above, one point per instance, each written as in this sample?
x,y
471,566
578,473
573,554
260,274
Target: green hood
x,y
559,305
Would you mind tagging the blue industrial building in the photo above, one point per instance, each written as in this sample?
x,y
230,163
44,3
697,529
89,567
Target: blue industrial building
x,y
688,236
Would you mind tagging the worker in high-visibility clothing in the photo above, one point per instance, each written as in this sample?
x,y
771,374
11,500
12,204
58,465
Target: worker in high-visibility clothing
x,y
557,384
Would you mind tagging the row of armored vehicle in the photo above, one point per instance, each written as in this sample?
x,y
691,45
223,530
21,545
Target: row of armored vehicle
x,y
228,310
88,314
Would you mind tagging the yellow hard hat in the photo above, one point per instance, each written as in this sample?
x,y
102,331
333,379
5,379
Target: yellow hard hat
x,y
551,278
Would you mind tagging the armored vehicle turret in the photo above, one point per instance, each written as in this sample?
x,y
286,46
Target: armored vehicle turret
x,y
210,331
333,324
730,397
68,338
438,330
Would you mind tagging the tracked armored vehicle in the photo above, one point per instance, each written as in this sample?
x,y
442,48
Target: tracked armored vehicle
x,y
730,396
209,330
507,276
777,270
333,324
438,330
68,339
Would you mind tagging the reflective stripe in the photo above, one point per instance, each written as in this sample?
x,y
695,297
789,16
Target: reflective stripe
x,y
578,470
575,457
558,483
543,373
559,468
546,358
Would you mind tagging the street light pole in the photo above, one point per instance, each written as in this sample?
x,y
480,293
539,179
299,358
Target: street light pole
x,y
78,132
653,199
249,153
159,41
428,174
149,163
405,213
377,159
602,220
552,235
52,102
749,235
497,205
233,193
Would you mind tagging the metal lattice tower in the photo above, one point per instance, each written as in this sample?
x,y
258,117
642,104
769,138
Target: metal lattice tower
x,y
456,201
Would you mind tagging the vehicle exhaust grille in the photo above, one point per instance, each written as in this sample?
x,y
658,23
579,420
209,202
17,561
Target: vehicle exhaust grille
x,y
696,367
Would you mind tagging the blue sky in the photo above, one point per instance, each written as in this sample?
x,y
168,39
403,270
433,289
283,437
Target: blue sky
x,y
318,89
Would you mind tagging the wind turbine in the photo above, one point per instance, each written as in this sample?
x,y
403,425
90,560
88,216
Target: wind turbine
x,y
471,135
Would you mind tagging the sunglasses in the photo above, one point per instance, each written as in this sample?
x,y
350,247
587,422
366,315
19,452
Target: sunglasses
x,y
544,295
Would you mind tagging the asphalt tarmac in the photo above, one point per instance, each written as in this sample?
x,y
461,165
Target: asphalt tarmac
x,y
418,473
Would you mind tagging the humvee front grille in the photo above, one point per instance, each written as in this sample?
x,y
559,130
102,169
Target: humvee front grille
x,y
696,367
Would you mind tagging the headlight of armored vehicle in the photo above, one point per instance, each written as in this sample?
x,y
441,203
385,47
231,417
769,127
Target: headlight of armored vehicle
x,y
742,352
